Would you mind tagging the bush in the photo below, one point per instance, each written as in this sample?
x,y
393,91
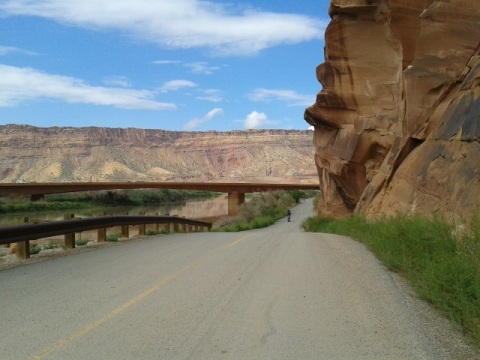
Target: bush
x,y
113,237
51,246
34,249
263,210
81,242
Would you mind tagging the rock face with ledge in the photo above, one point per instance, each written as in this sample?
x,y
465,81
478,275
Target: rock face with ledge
x,y
397,123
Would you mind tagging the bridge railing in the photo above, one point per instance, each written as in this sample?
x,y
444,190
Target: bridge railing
x,y
22,234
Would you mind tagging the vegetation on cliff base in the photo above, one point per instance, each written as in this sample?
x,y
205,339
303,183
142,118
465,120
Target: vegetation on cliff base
x,y
88,200
440,261
264,209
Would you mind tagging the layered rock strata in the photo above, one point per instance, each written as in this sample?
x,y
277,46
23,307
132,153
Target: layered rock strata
x,y
108,154
397,123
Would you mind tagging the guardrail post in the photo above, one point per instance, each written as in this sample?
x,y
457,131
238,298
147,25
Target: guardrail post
x,y
142,227
125,232
69,238
102,235
23,250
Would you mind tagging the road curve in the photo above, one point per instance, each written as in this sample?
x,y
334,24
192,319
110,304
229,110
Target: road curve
x,y
275,293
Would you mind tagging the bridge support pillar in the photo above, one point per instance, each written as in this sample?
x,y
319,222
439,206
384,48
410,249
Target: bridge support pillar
x,y
235,199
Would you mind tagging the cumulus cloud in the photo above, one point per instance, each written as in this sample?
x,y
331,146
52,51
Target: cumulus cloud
x,y
254,120
225,29
291,97
197,122
175,85
24,84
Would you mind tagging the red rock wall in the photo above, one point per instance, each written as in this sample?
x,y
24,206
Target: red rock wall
x,y
397,123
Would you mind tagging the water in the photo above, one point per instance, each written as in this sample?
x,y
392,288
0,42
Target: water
x,y
197,210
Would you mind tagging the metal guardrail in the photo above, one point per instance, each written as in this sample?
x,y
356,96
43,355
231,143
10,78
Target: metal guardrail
x,y
22,234
18,233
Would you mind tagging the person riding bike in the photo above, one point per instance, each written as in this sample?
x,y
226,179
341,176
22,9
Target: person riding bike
x,y
288,215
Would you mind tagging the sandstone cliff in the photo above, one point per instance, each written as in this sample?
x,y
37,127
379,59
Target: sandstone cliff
x,y
107,154
397,123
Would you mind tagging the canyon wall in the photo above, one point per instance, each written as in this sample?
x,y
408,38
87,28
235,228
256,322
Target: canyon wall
x,y
397,122
59,154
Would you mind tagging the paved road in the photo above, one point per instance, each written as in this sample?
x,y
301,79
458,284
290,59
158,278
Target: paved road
x,y
275,293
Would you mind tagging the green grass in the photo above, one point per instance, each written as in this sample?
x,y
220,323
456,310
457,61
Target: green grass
x,y
81,242
113,237
150,232
257,223
442,267
51,246
262,210
35,249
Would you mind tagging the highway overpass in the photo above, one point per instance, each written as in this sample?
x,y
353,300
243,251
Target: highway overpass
x,y
236,191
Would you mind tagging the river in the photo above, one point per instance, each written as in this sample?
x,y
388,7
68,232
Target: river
x,y
193,209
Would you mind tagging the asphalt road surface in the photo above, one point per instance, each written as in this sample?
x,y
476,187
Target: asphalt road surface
x,y
274,293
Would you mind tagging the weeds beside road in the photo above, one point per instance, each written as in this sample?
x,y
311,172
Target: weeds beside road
x,y
441,262
264,209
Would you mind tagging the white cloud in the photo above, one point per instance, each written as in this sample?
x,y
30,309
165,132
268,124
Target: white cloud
x,y
192,124
166,62
254,120
289,96
6,50
225,29
312,128
121,81
212,113
201,68
175,85
24,84
212,95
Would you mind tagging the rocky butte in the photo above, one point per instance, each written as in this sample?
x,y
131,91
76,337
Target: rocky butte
x,y
397,122
59,154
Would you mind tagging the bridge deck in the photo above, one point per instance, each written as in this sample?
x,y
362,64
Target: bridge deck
x,y
8,189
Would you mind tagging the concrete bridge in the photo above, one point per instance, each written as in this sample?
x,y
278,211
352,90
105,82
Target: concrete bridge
x,y
236,191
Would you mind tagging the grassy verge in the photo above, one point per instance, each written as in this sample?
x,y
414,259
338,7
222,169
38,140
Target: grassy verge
x,y
441,262
263,209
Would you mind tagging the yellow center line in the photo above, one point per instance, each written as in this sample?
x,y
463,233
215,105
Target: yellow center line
x,y
239,240
120,309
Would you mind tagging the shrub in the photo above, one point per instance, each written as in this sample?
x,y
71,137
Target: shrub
x,y
34,249
263,210
51,246
113,237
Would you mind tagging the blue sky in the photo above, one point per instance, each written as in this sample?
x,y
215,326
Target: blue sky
x,y
160,64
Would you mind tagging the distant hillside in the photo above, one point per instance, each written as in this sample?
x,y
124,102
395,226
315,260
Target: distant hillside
x,y
112,154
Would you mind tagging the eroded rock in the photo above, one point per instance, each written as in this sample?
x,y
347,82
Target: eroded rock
x,y
397,121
